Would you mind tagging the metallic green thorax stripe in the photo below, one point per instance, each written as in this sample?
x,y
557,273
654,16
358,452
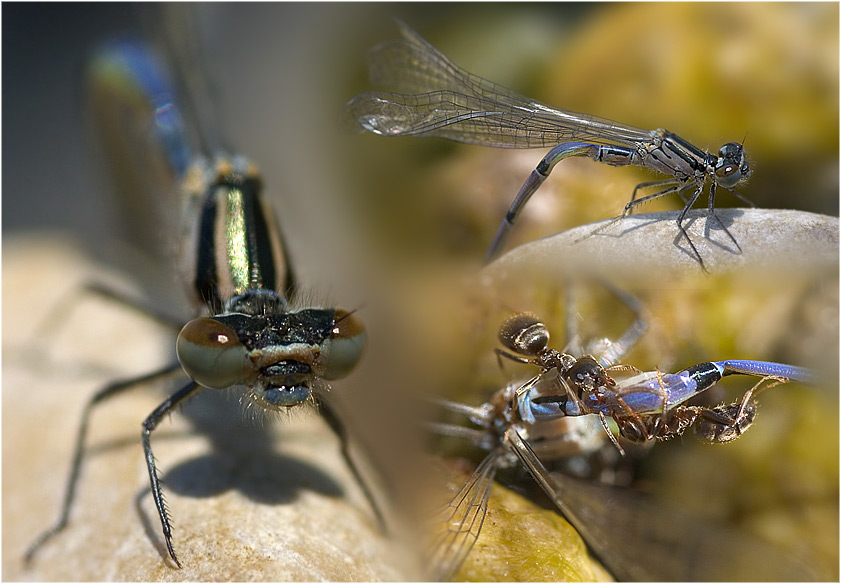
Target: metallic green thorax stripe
x,y
239,247
236,245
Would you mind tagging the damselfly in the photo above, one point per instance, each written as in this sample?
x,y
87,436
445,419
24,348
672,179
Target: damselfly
x,y
246,333
515,425
433,97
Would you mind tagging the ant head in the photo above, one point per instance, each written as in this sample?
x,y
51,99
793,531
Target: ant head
x,y
725,423
524,334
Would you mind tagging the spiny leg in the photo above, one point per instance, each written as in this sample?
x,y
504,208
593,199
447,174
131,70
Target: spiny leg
x,y
623,368
634,202
119,297
680,188
663,393
149,424
108,391
603,420
676,187
62,310
742,197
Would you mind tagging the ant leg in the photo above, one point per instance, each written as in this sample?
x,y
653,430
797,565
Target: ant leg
x,y
610,435
516,358
726,422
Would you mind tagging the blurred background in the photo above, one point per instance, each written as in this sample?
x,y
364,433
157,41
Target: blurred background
x,y
393,224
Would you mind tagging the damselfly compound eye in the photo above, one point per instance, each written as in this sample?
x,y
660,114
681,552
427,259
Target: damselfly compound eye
x,y
345,346
212,354
726,170
731,166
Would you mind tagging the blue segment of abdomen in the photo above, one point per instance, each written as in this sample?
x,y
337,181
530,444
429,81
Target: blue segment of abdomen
x,y
131,69
649,393
760,368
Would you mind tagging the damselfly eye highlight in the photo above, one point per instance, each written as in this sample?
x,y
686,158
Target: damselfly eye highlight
x,y
726,170
212,354
345,346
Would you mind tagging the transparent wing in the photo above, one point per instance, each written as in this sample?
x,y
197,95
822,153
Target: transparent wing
x,y
434,97
457,525
646,539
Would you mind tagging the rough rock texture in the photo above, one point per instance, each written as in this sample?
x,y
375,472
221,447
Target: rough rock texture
x,y
642,245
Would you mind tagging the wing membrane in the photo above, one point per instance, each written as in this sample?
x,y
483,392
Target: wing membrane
x,y
457,525
432,96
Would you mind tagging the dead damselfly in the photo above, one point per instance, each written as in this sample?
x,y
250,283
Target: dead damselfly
x,y
567,411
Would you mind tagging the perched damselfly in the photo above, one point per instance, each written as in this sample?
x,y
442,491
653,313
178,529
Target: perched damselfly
x,y
430,96
246,333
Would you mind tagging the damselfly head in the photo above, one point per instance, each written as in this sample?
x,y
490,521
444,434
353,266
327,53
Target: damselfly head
x,y
732,165
278,357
